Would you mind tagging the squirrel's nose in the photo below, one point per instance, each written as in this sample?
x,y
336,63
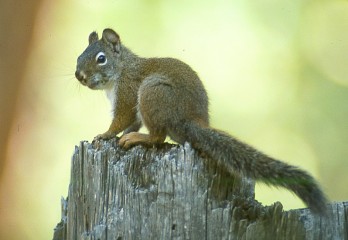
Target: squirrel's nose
x,y
80,75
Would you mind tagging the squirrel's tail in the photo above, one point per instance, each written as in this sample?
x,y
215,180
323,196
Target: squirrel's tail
x,y
240,158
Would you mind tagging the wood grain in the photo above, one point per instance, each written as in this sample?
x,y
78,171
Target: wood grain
x,y
171,192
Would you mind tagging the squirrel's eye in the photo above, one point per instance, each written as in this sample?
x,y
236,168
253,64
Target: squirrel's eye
x,y
101,58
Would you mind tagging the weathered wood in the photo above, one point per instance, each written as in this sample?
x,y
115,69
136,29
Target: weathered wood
x,y
173,193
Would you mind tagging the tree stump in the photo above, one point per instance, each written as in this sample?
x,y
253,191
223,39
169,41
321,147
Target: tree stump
x,y
171,192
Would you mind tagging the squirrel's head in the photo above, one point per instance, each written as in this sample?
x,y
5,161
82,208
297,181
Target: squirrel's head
x,y
98,67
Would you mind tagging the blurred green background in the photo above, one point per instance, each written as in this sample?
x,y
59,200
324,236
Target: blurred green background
x,y
275,70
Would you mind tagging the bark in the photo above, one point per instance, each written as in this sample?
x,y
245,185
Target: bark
x,y
172,192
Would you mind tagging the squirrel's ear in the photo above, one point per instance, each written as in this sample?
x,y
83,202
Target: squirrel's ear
x,y
93,37
111,37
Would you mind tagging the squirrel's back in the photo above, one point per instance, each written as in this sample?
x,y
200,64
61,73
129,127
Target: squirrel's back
x,y
172,94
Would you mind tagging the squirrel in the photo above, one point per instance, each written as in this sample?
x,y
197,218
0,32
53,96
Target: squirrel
x,y
167,96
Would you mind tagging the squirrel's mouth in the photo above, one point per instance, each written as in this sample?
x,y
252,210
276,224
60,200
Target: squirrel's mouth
x,y
96,85
92,85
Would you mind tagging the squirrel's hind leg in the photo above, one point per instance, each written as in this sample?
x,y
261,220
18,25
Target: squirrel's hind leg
x,y
134,138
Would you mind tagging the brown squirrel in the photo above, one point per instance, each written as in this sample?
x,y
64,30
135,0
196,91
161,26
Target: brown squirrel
x,y
168,97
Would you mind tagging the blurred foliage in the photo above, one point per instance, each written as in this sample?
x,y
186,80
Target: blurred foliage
x,y
275,72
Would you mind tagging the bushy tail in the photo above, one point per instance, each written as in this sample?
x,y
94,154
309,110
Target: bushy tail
x,y
240,158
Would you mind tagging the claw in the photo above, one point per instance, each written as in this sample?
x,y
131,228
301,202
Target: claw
x,y
124,142
104,136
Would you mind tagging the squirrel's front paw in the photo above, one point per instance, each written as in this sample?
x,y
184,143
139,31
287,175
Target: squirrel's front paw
x,y
104,136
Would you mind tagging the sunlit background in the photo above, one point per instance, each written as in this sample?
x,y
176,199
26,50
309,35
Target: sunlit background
x,y
275,70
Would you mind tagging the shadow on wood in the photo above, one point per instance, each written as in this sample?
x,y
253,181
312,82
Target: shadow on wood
x,y
171,192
